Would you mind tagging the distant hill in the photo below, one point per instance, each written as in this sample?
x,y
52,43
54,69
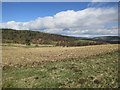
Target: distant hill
x,y
20,36
35,37
108,39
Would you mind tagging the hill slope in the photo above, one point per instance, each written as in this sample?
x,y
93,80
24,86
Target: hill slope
x,y
108,39
20,36
36,37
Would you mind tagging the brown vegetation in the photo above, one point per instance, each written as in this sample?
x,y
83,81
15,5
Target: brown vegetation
x,y
19,56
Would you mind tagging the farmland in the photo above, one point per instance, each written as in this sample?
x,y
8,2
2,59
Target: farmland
x,y
61,67
19,56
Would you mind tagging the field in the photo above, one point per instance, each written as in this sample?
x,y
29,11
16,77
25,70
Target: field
x,y
61,67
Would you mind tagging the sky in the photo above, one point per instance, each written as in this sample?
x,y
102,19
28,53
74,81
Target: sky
x,y
78,19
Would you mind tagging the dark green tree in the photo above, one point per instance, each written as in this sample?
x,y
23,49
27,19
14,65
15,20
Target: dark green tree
x,y
28,42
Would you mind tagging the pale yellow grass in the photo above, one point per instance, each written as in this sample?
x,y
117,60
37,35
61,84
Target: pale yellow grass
x,y
19,56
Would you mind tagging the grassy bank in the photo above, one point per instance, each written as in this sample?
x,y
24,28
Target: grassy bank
x,y
94,72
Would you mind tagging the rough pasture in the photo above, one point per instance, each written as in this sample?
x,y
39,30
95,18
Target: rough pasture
x,y
19,56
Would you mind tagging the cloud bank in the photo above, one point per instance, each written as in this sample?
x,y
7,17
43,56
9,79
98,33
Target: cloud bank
x,y
90,21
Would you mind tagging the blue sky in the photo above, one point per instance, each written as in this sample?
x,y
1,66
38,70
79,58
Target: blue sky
x,y
26,11
80,18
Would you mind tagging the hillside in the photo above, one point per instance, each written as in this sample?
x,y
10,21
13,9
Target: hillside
x,y
36,37
108,39
20,36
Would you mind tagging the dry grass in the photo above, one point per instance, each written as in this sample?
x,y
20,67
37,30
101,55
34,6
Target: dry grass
x,y
19,56
94,72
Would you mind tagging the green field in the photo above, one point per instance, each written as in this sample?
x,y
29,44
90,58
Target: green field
x,y
99,71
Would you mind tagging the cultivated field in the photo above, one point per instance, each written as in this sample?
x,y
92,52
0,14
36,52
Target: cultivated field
x,y
19,56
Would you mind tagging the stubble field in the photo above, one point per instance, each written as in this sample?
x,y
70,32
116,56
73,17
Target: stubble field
x,y
19,56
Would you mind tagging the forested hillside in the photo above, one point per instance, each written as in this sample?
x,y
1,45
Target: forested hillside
x,y
20,36
36,37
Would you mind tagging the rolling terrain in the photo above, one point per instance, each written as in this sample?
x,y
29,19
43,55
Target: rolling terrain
x,y
61,67
35,37
108,39
32,59
19,56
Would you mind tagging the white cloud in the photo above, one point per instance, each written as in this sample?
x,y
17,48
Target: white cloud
x,y
92,31
76,21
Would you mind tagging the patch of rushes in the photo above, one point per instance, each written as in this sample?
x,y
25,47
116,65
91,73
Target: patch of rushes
x,y
95,72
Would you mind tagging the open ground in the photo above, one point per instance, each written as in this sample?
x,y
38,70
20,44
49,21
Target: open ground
x,y
19,56
61,67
